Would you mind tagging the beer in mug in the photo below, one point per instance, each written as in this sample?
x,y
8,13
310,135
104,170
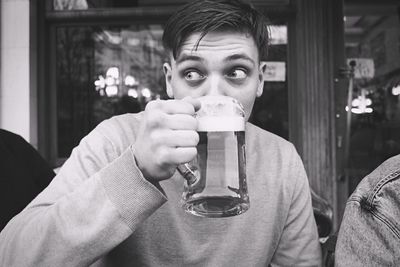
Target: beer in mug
x,y
215,183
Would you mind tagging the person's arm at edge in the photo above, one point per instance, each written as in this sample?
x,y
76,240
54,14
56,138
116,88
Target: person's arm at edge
x,y
367,236
78,218
41,171
299,245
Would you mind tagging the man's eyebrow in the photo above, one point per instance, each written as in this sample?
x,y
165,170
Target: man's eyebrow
x,y
240,56
186,57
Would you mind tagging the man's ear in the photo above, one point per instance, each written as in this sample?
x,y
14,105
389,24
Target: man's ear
x,y
168,76
262,69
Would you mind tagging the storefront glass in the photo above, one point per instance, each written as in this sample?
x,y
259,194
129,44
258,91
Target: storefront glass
x,y
373,57
106,71
63,5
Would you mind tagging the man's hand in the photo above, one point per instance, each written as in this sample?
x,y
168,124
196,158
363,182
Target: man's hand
x,y
167,137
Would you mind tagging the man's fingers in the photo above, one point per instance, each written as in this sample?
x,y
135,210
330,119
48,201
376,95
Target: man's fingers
x,y
195,102
173,106
182,155
174,138
180,138
181,122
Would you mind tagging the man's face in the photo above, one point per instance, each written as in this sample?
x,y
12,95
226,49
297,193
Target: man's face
x,y
223,64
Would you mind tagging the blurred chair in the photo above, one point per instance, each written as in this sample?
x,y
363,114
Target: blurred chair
x,y
323,214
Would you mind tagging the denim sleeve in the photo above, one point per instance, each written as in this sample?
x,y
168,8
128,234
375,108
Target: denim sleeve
x,y
370,232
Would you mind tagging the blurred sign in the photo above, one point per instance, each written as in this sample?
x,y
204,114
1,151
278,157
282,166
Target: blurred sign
x,y
275,72
364,67
278,34
69,4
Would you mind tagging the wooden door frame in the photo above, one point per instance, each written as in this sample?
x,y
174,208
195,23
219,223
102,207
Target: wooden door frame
x,y
316,50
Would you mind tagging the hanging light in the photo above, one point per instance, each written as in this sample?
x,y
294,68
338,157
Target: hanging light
x,y
396,90
133,93
130,80
146,92
100,83
111,90
113,72
361,104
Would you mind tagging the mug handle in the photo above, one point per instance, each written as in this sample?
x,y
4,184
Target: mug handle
x,y
187,173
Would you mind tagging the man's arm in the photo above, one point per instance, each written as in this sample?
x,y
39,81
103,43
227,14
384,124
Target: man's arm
x,y
299,245
96,202
107,187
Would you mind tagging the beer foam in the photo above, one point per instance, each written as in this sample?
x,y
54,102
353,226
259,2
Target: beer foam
x,y
220,124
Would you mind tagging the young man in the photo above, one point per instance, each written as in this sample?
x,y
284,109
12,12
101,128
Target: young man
x,y
116,201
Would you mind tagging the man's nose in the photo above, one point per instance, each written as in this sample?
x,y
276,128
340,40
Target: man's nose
x,y
215,85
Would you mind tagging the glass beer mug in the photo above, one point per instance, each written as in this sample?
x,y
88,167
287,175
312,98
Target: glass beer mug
x,y
215,183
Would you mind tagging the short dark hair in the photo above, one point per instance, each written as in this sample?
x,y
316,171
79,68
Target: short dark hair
x,y
204,16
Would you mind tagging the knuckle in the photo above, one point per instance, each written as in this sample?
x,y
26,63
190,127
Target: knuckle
x,y
162,157
153,136
196,137
191,153
154,118
193,123
153,104
157,137
189,107
183,106
192,138
190,102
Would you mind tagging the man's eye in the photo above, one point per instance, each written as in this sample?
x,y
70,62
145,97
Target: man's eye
x,y
237,74
193,76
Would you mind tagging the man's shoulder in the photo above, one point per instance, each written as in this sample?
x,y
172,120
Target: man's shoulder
x,y
261,138
381,181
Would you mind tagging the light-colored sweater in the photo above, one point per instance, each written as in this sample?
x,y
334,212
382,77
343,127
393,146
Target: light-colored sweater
x,y
101,211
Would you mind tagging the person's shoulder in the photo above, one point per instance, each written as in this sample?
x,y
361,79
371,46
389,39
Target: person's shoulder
x,y
7,134
391,164
387,170
382,179
10,137
264,139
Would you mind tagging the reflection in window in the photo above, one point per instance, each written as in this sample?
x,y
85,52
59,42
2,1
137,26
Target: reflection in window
x,y
270,111
375,120
70,4
378,52
103,72
60,5
106,71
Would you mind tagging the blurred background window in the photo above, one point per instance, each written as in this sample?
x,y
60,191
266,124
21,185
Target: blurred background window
x,y
108,59
372,42
270,111
102,72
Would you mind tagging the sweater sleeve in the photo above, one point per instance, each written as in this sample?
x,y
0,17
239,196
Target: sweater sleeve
x,y
95,202
299,245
